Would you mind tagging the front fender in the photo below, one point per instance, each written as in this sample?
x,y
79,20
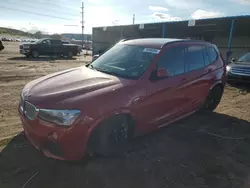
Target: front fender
x,y
108,115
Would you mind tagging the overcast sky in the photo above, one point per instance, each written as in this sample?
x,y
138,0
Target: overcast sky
x,y
54,16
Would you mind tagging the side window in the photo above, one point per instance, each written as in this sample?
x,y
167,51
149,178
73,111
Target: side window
x,y
45,42
55,42
205,55
212,54
173,60
194,57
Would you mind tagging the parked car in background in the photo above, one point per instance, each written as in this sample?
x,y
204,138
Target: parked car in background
x,y
48,47
135,87
239,69
1,45
79,46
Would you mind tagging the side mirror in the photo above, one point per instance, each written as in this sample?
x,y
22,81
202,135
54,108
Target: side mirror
x,y
95,57
162,73
159,74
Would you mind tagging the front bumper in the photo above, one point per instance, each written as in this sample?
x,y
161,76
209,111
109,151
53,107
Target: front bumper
x,y
238,78
24,51
54,141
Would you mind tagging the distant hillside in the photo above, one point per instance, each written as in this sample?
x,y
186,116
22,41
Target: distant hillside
x,y
14,32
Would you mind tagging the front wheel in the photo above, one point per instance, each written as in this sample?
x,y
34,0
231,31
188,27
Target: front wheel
x,y
213,99
35,54
110,136
27,55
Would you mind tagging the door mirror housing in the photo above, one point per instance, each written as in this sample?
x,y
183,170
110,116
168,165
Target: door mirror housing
x,y
159,74
162,73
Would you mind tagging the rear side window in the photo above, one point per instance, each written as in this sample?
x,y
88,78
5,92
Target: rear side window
x,y
173,60
195,58
205,55
212,54
55,42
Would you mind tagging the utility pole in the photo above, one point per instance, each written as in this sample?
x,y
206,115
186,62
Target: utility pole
x,y
82,23
133,18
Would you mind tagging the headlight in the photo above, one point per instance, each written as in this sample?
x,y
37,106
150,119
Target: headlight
x,y
60,117
228,68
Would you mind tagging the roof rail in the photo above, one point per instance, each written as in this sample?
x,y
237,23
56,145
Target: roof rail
x,y
131,38
184,40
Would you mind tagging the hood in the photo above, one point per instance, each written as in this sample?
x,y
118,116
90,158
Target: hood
x,y
25,43
70,45
239,64
66,84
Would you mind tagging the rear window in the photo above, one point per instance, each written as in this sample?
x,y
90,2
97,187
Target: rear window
x,y
212,54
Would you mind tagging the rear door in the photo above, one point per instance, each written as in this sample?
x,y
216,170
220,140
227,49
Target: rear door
x,y
195,84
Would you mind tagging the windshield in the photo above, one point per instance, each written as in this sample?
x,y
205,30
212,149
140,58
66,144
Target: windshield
x,y
245,58
126,61
38,41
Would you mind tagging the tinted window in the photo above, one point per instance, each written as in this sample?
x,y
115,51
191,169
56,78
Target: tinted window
x,y
205,55
46,42
194,57
55,42
212,54
173,60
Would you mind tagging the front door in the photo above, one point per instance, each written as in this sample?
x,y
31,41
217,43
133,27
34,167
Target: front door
x,y
45,47
56,47
164,97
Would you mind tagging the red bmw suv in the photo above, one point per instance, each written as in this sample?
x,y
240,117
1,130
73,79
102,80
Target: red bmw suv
x,y
137,86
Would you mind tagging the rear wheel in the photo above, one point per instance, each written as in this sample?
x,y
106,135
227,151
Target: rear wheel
x,y
110,136
213,99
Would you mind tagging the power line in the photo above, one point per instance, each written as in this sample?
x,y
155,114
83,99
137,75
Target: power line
x,y
34,5
34,13
51,5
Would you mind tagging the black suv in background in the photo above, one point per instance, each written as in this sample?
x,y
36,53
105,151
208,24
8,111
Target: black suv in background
x,y
48,47
239,69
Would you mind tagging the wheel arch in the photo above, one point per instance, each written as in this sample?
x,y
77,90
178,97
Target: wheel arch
x,y
93,131
218,84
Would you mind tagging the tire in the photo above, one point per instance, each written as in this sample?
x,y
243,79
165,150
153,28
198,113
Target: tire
x,y
35,54
110,136
27,55
213,99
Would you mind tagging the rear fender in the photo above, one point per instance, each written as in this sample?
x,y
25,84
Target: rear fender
x,y
219,83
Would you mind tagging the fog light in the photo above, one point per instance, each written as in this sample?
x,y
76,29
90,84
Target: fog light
x,y
54,135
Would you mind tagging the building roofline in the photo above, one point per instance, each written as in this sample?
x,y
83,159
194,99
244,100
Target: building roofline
x,y
202,19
